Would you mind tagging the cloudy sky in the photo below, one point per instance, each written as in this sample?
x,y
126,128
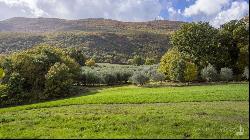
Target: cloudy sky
x,y
216,12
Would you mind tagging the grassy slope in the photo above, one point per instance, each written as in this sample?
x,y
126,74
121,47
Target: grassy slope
x,y
133,112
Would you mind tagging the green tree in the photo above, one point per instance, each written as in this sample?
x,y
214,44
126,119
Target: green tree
x,y
234,37
77,55
59,81
198,41
137,60
149,61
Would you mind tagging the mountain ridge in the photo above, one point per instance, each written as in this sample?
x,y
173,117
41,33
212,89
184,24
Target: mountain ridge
x,y
41,25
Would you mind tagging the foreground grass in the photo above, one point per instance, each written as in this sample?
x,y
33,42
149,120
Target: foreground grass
x,y
215,111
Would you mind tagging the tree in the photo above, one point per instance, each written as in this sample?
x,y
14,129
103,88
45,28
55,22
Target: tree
x,y
32,66
149,61
1,73
234,37
139,78
59,81
90,62
169,61
137,60
77,55
190,72
198,41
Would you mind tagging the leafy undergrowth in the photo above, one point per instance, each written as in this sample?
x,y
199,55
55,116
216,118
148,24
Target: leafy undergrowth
x,y
215,111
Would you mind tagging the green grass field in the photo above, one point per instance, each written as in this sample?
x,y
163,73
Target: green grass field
x,y
209,111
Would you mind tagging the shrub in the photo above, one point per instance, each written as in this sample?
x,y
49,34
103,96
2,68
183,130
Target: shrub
x,y
246,73
93,78
177,71
77,55
157,76
226,74
1,74
14,91
58,81
90,62
137,60
191,71
209,73
125,75
16,84
149,61
139,78
110,78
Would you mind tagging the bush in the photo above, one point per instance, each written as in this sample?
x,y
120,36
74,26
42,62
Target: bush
x,y
191,72
226,74
137,60
110,78
14,91
58,81
156,77
93,78
125,75
149,61
177,71
246,73
209,73
90,62
139,78
1,74
77,55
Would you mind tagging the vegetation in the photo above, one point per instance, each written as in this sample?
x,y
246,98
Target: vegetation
x,y
226,74
139,78
36,74
246,73
90,62
123,112
209,73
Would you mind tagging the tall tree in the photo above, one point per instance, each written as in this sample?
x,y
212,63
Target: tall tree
x,y
234,37
198,41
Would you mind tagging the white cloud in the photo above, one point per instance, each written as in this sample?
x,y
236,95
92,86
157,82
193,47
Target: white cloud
x,y
28,4
236,11
207,7
126,10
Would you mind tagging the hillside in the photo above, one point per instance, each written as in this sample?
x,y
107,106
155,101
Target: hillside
x,y
20,24
106,40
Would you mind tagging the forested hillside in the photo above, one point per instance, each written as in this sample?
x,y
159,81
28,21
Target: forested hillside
x,y
105,40
103,47
20,24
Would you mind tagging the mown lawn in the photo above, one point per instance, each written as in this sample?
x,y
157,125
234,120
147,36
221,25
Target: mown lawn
x,y
215,111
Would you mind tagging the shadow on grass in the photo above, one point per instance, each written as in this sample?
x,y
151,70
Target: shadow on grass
x,y
78,91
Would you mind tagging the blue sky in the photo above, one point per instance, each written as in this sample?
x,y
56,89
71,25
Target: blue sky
x,y
216,12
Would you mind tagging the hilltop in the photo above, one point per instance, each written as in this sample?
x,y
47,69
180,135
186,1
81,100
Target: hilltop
x,y
21,24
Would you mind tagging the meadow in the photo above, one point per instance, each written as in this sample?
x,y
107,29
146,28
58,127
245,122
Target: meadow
x,y
207,111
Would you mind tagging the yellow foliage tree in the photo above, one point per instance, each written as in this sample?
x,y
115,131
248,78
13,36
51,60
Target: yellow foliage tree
x,y
90,62
167,61
190,72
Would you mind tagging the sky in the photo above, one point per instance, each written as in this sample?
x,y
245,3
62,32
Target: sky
x,y
216,12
